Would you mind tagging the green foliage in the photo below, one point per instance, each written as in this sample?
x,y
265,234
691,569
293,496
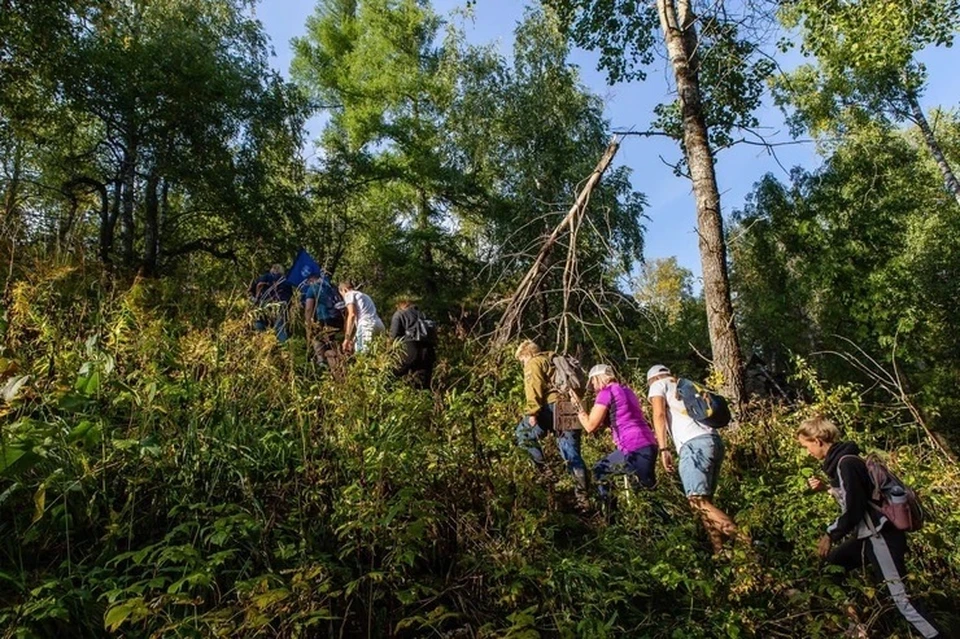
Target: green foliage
x,y
212,482
155,124
731,69
864,66
861,250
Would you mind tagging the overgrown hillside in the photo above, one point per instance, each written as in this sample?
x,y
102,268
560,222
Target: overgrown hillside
x,y
168,473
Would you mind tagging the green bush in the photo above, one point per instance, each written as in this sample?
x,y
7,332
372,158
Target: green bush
x,y
168,473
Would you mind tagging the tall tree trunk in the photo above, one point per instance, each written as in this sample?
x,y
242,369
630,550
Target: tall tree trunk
x,y
108,224
677,21
920,118
128,176
425,227
151,224
12,193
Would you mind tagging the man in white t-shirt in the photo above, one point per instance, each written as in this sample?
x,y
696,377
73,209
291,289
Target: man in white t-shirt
x,y
700,450
362,321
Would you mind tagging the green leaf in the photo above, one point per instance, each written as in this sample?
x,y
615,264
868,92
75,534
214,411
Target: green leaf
x,y
115,616
14,461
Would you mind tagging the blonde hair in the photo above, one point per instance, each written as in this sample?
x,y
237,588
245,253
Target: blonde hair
x,y
605,379
821,428
527,348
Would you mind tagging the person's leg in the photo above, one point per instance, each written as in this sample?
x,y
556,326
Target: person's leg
x,y
643,464
850,555
528,438
887,552
428,360
364,336
409,361
698,474
612,464
280,325
569,443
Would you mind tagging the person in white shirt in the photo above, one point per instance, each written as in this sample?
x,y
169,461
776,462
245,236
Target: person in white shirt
x,y
362,320
700,450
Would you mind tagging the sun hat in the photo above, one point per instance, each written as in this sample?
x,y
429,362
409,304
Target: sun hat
x,y
601,369
656,371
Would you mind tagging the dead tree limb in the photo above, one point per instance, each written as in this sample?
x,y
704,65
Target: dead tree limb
x,y
511,319
894,385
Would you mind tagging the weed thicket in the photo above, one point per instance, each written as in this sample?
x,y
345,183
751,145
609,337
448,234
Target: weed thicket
x,y
167,473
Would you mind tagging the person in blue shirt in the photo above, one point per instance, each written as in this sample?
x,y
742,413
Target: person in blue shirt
x,y
323,316
271,293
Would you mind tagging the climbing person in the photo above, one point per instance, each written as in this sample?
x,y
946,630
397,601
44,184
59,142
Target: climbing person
x,y
271,293
699,448
362,321
323,316
636,445
539,418
418,335
872,538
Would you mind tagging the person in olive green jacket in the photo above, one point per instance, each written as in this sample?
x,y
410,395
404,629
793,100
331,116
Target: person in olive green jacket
x,y
538,417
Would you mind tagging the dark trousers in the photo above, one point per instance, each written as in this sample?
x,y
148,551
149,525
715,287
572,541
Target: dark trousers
x,y
886,551
641,463
418,364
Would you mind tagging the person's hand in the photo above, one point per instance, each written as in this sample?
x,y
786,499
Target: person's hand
x,y
347,346
823,547
667,458
816,484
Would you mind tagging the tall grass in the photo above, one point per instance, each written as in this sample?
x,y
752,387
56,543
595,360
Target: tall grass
x,y
169,473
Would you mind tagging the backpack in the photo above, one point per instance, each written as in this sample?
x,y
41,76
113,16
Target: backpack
x,y
704,406
328,299
898,502
567,375
423,330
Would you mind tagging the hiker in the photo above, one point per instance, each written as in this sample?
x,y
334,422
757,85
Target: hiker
x,y
323,316
417,333
636,444
539,416
362,321
700,450
271,293
873,537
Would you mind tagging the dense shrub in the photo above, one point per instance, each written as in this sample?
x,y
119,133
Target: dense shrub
x,y
166,472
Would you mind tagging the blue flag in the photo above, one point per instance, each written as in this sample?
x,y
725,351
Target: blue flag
x,y
304,266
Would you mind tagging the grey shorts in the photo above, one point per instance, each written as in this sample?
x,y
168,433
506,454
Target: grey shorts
x,y
700,460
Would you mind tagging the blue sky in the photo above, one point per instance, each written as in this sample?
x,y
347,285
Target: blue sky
x,y
670,229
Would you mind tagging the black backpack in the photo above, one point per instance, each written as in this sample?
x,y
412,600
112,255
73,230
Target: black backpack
x,y
423,330
704,406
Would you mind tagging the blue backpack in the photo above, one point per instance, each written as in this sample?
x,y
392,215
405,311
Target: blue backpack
x,y
330,303
704,406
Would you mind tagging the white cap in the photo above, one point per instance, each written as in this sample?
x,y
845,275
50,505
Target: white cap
x,y
656,371
601,369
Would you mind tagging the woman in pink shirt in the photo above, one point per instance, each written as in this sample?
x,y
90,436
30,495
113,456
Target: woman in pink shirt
x,y
636,452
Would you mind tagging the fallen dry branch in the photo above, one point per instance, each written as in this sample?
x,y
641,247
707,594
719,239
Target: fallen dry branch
x,y
511,319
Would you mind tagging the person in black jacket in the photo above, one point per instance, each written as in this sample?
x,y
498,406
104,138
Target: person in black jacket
x,y
872,537
420,351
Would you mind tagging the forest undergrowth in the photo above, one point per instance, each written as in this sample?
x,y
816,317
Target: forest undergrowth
x,y
165,472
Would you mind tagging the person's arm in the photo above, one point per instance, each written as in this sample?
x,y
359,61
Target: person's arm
x,y
596,418
350,325
396,326
535,388
856,491
309,306
659,404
